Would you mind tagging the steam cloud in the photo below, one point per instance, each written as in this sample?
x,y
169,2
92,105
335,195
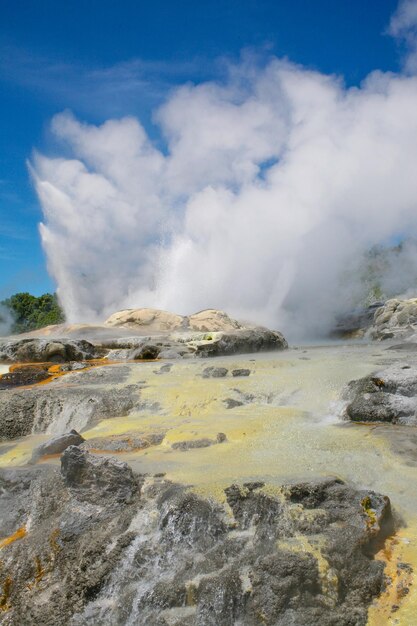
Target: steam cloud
x,y
271,188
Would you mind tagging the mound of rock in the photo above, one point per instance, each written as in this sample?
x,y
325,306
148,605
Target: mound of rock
x,y
151,320
389,395
105,546
211,320
47,350
157,321
396,319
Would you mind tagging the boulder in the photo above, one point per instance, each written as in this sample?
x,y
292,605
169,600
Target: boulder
x,y
240,372
241,342
214,372
388,395
56,445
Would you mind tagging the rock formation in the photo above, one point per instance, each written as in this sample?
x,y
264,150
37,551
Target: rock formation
x,y
388,395
397,319
96,544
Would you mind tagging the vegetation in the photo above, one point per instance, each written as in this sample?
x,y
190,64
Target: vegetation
x,y
30,312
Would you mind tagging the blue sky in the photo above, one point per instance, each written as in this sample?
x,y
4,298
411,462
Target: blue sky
x,y
104,59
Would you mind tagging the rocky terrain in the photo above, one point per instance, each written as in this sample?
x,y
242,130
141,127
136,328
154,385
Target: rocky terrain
x,y
395,320
93,543
143,334
219,504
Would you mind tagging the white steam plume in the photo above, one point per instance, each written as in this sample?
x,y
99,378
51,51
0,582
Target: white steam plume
x,y
271,189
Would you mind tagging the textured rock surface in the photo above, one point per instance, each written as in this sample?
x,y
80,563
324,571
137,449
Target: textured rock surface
x,y
242,341
46,350
188,344
24,375
156,321
56,445
94,477
397,319
211,320
214,372
151,320
107,547
144,334
127,442
75,401
389,395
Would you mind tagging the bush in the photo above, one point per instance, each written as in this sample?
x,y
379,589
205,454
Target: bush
x,y
31,312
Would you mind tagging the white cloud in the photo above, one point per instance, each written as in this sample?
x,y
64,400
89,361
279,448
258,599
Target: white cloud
x,y
403,26
272,186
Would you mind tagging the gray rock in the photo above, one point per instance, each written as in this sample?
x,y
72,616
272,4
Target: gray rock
x,y
104,550
95,477
243,342
127,442
240,372
397,319
214,372
231,403
389,395
56,445
47,350
198,443
147,352
61,407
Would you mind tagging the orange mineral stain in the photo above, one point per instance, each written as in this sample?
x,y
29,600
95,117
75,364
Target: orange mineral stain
x,y
19,534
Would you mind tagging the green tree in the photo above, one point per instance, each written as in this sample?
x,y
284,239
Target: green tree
x,y
31,312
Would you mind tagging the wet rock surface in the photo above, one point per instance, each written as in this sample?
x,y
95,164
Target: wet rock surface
x,y
106,546
389,395
24,375
192,444
47,350
75,401
127,442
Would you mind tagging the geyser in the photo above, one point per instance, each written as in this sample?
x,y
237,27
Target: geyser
x,y
271,188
